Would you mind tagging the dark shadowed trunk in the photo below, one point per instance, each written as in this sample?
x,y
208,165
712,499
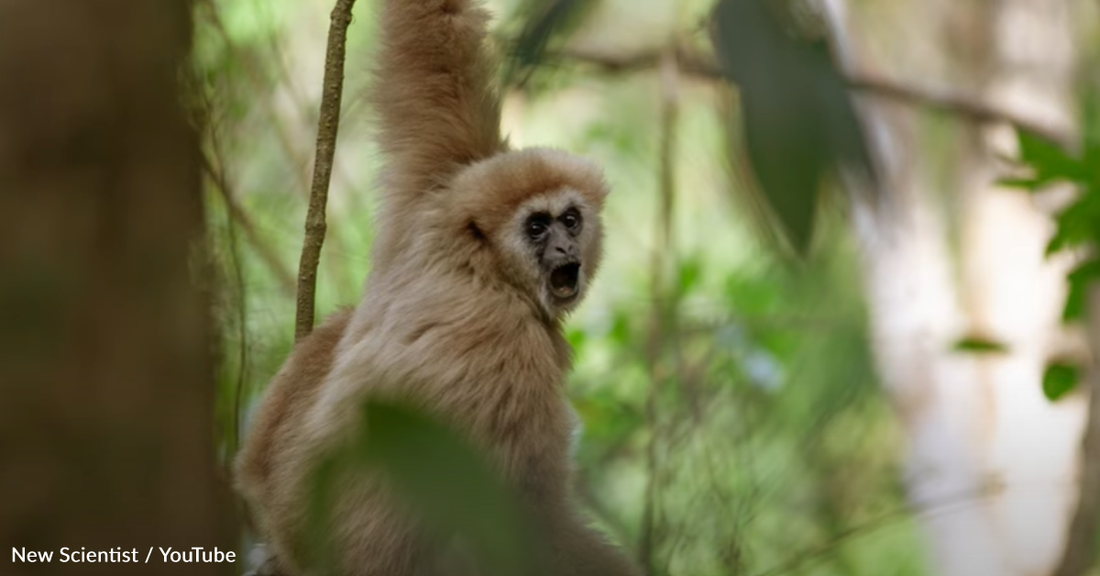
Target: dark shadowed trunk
x,y
105,342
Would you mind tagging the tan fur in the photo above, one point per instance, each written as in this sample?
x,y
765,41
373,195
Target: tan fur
x,y
457,318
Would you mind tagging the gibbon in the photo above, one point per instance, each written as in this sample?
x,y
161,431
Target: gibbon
x,y
481,252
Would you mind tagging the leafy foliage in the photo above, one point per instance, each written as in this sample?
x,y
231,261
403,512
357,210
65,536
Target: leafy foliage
x,y
1078,224
543,22
979,345
439,476
799,121
1058,379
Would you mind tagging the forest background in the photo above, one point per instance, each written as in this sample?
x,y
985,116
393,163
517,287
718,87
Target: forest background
x,y
843,325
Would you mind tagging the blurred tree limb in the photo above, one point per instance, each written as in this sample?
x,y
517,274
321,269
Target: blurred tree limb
x,y
700,66
260,86
1079,554
327,129
1076,232
662,320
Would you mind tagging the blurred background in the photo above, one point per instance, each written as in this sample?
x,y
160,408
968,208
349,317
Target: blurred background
x,y
843,325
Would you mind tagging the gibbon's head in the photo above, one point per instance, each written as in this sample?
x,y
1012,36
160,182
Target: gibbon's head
x,y
534,218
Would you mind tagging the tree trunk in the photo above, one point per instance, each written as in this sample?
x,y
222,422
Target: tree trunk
x,y
105,339
992,463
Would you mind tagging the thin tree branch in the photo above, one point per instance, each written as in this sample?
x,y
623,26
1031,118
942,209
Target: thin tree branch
x,y
699,66
279,122
327,129
1079,553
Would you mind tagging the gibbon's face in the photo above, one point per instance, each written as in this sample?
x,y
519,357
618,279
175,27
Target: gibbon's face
x,y
535,215
553,241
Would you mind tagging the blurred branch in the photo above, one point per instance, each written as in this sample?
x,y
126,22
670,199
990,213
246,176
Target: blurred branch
x,y
958,105
286,140
1079,553
660,325
238,219
281,272
285,128
700,66
327,129
799,562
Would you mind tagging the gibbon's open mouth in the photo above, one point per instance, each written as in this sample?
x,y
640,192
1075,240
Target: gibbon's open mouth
x,y
564,280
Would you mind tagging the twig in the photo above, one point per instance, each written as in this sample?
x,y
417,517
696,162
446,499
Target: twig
x,y
1079,555
327,128
698,66
279,121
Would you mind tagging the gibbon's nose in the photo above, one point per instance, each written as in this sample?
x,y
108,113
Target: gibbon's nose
x,y
564,252
562,248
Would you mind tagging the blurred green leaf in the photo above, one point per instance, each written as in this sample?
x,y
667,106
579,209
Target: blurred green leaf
x,y
1049,161
979,345
1077,224
576,338
1022,183
620,334
1090,126
544,21
1058,379
799,120
689,273
449,483
1079,280
440,476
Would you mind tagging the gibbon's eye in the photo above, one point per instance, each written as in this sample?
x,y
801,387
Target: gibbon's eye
x,y
537,225
571,219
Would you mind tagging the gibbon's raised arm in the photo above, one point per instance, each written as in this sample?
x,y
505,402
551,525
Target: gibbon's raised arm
x,y
432,93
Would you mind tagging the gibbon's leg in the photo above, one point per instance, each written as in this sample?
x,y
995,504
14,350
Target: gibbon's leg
x,y
436,109
264,467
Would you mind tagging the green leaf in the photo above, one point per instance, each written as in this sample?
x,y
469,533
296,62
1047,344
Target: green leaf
x,y
577,339
1030,184
1079,223
1049,161
1090,132
544,21
450,483
1058,379
797,114
690,271
979,345
1079,281
621,333
440,476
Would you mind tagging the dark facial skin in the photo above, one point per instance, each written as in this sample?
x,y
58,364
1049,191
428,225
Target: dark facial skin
x,y
554,240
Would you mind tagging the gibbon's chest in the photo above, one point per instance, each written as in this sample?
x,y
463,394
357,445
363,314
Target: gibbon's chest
x,y
492,371
477,356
